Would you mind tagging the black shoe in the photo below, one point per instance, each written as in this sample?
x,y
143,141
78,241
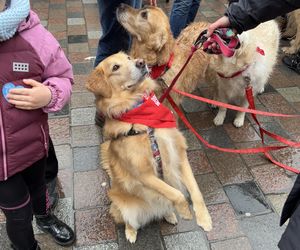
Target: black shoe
x,y
53,193
293,62
62,234
99,119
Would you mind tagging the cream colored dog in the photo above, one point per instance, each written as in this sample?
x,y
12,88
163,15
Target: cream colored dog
x,y
255,60
137,194
154,42
293,29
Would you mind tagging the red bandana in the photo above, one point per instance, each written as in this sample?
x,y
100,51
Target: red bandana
x,y
150,113
157,71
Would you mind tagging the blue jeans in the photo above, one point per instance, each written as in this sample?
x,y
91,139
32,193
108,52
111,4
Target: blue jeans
x,y
114,37
182,14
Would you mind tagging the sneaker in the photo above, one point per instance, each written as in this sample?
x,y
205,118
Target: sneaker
x,y
61,233
53,193
293,62
99,119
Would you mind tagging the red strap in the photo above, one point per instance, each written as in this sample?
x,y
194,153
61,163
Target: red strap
x,y
234,74
229,106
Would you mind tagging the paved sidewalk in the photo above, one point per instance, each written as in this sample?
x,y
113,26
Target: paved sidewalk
x,y
244,194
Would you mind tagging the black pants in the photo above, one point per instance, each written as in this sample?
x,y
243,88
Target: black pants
x,y
52,163
21,196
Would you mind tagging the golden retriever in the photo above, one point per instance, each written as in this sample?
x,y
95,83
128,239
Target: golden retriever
x,y
153,41
293,30
137,194
255,60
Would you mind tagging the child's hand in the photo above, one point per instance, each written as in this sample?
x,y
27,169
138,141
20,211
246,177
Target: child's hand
x,y
30,98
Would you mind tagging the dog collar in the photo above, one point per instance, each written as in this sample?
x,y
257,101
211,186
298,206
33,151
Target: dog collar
x,y
157,71
234,74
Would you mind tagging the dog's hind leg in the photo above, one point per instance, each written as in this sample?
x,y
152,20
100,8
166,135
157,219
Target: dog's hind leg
x,y
202,215
130,233
170,193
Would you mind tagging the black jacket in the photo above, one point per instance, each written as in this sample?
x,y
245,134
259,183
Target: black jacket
x,y
290,239
247,14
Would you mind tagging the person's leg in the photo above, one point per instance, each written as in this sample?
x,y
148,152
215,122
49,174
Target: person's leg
x,y
179,15
114,37
17,207
46,221
51,175
193,11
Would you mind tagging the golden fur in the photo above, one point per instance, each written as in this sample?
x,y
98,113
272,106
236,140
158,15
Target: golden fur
x,y
138,196
293,30
266,37
154,42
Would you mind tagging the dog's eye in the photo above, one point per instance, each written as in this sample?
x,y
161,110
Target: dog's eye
x,y
144,14
115,67
129,58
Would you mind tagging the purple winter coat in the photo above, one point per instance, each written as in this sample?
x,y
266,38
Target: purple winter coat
x,y
33,53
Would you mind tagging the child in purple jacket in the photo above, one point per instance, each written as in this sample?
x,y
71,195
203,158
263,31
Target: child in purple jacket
x,y
35,78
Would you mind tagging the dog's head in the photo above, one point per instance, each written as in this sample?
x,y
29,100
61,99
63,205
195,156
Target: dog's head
x,y
118,79
149,25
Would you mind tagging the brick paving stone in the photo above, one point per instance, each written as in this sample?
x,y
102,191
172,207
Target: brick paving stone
x,y
271,179
60,130
201,120
86,158
63,112
281,78
80,81
291,94
192,141
211,189
94,226
288,156
77,30
241,243
83,116
190,105
83,100
243,134
64,156
78,47
83,136
252,159
229,168
77,57
246,198
46,243
94,34
107,246
262,231
225,225
76,21
147,238
181,227
78,39
199,162
82,68
4,241
277,201
89,189
186,241
65,183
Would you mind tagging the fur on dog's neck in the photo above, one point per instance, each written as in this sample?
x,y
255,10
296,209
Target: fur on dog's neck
x,y
149,52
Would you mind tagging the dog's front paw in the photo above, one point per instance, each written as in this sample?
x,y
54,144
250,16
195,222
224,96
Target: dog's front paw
x,y
130,234
183,210
204,220
289,50
171,218
238,122
219,120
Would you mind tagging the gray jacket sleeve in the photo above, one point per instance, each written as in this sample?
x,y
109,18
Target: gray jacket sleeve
x,y
247,14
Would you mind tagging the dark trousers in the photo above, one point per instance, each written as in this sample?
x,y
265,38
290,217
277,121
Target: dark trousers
x,y
114,37
51,164
21,196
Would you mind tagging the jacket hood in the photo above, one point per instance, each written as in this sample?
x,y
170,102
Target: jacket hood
x,y
31,21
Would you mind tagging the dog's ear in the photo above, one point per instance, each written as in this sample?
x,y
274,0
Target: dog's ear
x,y
157,40
97,84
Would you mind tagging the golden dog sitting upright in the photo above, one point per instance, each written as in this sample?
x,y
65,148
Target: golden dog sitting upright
x,y
137,193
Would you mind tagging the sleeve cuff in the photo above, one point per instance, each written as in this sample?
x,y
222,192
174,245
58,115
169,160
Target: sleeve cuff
x,y
54,97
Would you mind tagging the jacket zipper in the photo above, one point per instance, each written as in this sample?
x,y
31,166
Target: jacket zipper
x,y
45,140
3,146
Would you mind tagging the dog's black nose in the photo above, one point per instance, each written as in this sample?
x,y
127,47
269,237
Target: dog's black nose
x,y
122,7
140,63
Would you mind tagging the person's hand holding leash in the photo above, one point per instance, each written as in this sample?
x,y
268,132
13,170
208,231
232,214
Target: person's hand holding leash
x,y
222,22
30,98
